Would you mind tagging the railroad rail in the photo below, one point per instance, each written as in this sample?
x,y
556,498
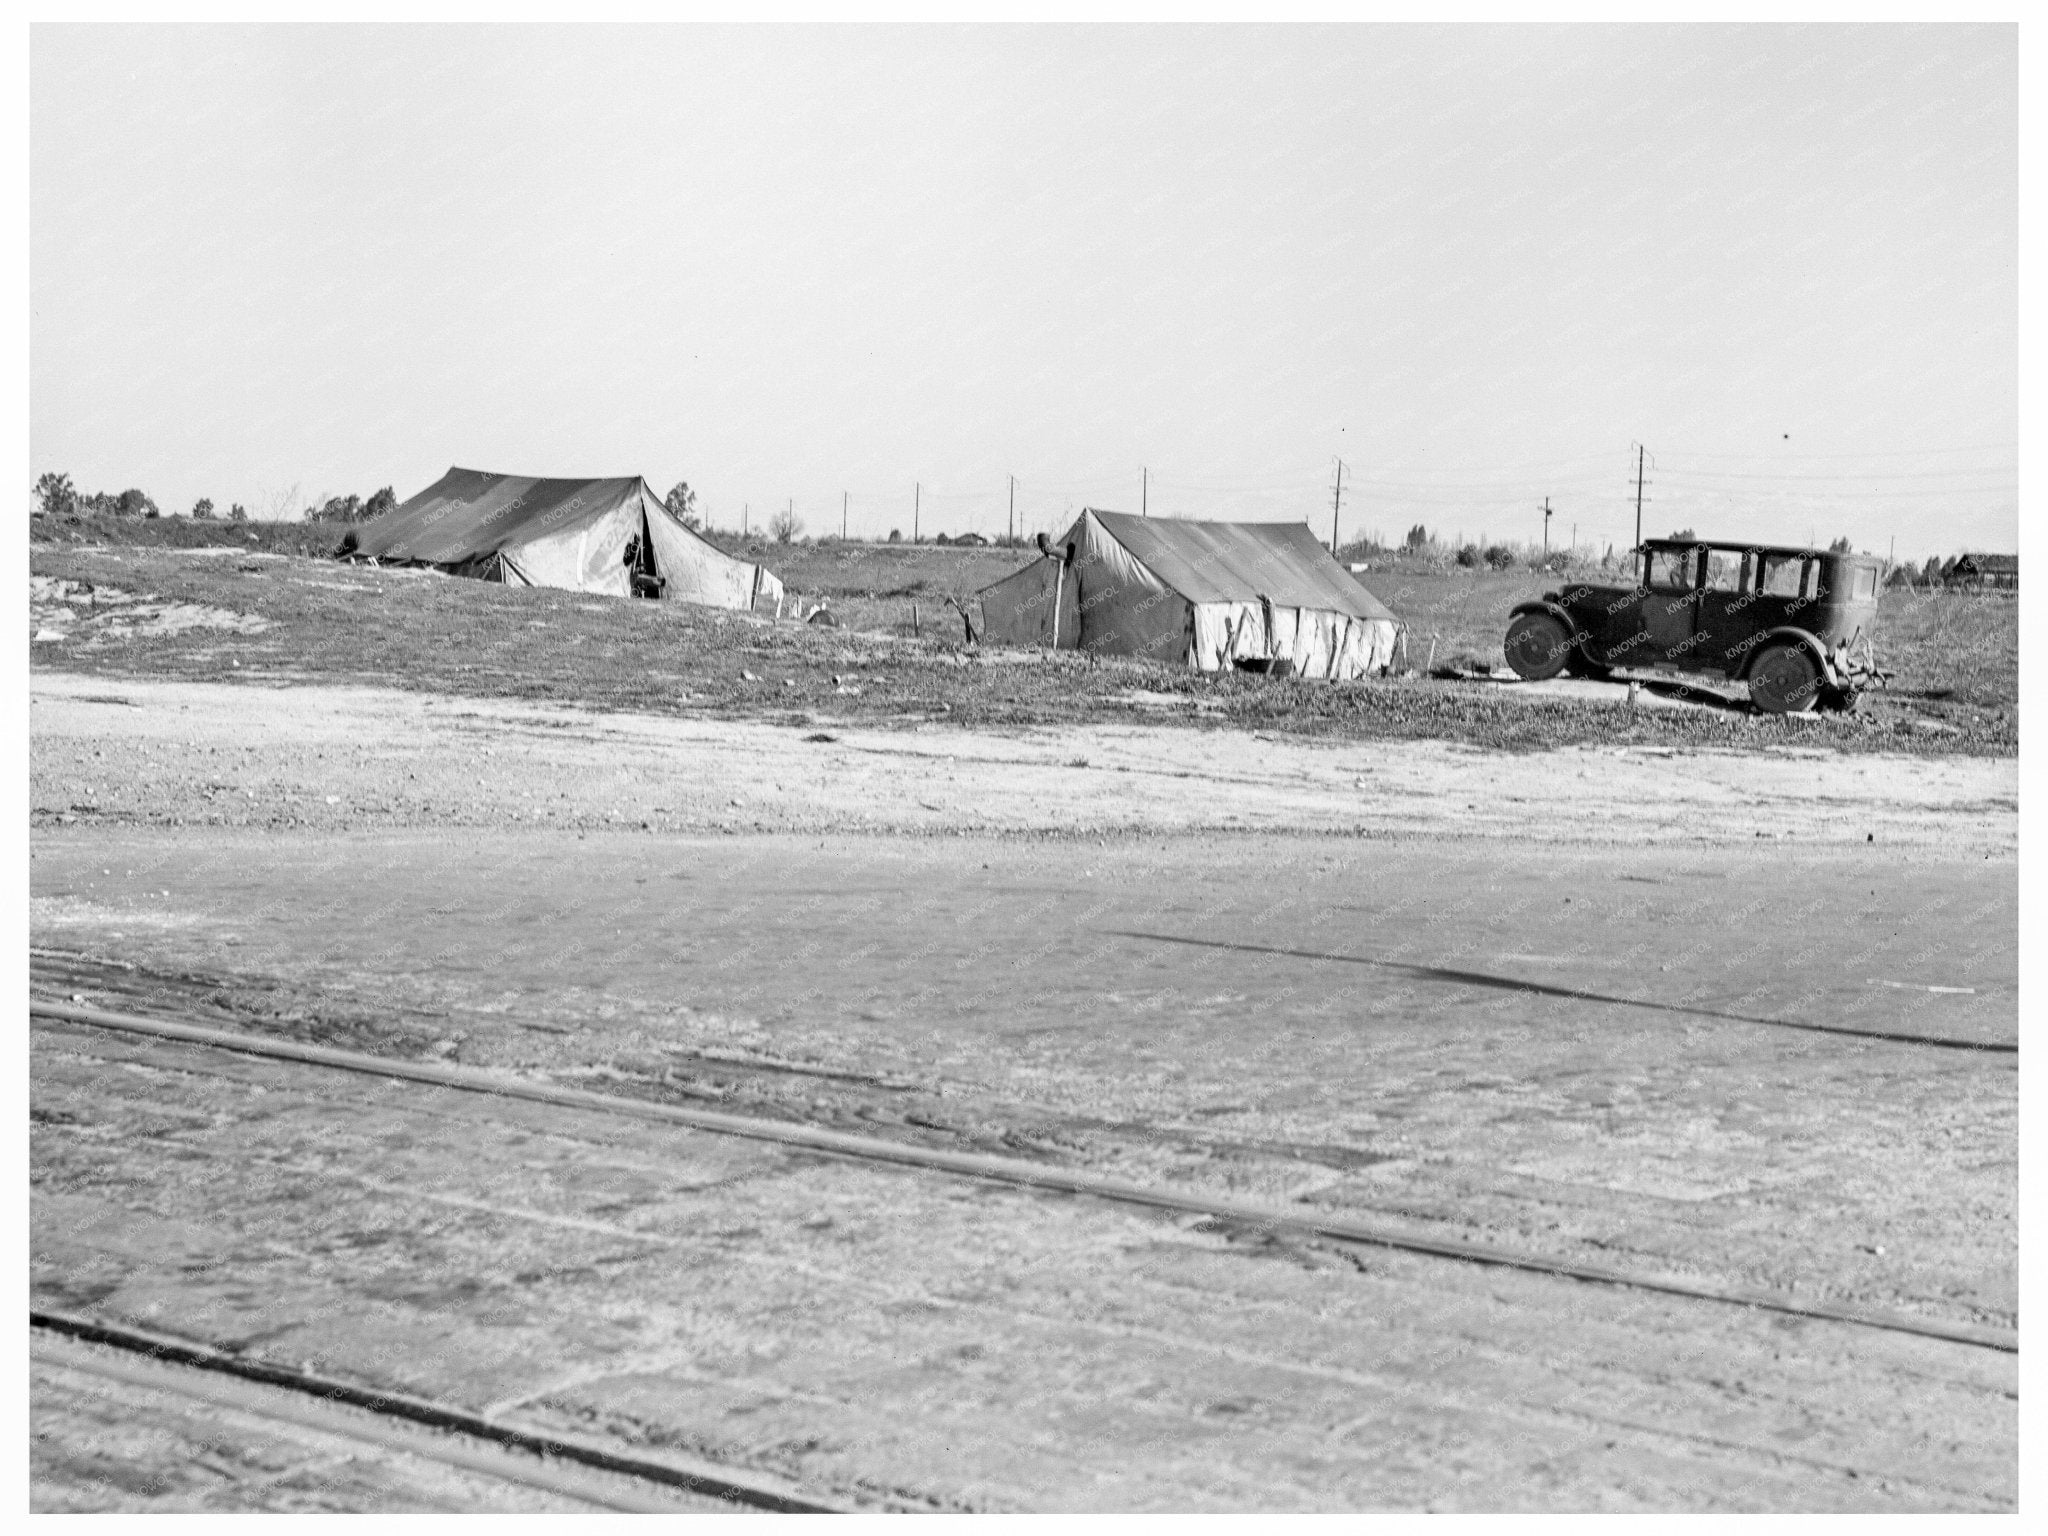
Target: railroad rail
x,y
470,1442
1013,1171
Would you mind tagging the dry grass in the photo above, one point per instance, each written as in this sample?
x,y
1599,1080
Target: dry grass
x,y
1952,646
895,588
340,623
183,533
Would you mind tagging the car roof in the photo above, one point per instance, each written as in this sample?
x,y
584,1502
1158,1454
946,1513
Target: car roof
x,y
1748,548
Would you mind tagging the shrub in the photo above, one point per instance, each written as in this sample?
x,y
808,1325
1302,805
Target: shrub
x,y
1499,556
681,502
338,509
1469,555
202,510
55,494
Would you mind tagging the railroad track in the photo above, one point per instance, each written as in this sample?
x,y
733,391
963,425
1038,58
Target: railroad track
x,y
595,1475
1011,1171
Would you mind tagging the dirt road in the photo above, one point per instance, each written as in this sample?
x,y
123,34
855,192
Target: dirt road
x,y
1606,1021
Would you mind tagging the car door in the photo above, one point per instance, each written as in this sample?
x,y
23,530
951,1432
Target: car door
x,y
1727,608
1784,584
1670,606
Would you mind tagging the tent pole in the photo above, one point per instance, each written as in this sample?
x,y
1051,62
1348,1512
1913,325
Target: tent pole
x,y
1059,592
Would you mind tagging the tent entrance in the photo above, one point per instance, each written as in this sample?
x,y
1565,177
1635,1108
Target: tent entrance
x,y
645,579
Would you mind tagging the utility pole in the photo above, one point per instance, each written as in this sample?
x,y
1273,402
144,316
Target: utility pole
x,y
1336,502
743,519
916,507
1145,493
844,497
1546,527
1639,495
1013,509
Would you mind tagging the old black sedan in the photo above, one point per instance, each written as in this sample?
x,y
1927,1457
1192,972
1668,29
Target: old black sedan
x,y
1794,624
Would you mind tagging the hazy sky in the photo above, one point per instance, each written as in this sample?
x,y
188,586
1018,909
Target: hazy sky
x,y
1477,263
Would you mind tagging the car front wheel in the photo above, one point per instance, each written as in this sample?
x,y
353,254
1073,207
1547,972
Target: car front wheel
x,y
1537,646
1784,680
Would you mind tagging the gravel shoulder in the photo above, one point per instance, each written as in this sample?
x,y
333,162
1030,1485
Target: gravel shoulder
x,y
154,752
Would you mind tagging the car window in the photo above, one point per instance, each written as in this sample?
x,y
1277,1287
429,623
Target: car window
x,y
1866,582
1671,570
1724,570
1782,575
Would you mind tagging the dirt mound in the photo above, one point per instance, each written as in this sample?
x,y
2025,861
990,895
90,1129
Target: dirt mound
x,y
87,615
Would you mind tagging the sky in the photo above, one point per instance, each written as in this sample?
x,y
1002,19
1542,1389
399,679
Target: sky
x,y
1187,270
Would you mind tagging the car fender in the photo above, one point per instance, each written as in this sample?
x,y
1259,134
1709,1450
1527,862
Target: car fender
x,y
1806,640
1556,610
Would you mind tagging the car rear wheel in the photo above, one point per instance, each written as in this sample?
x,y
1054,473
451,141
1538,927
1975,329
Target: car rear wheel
x,y
1784,680
1537,646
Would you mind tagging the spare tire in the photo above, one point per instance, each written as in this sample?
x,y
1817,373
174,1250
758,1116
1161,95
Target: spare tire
x,y
1537,646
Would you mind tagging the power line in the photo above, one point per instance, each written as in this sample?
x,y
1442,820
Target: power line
x,y
1929,474
1899,453
1972,490
1336,503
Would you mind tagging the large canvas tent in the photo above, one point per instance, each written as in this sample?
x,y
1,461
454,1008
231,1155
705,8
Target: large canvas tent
x,y
610,536
1206,595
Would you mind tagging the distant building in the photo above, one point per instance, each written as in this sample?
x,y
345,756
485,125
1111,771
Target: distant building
x,y
2001,573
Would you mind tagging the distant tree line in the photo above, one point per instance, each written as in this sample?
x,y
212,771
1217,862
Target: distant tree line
x,y
353,509
56,496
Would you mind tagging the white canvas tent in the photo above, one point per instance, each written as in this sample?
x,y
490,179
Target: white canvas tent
x,y
1206,595
610,536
